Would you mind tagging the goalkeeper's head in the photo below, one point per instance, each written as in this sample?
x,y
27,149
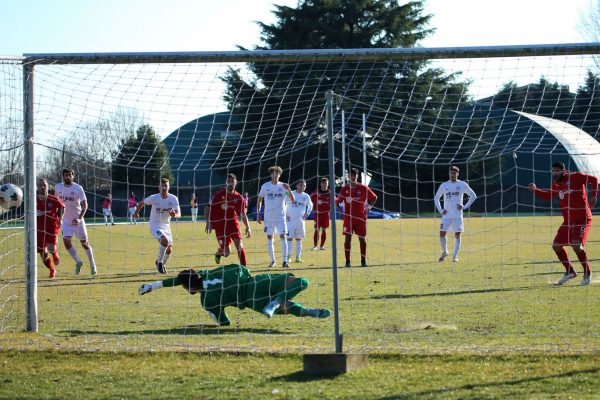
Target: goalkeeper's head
x,y
190,280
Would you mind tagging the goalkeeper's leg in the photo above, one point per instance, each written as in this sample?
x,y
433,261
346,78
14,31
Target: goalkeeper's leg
x,y
299,310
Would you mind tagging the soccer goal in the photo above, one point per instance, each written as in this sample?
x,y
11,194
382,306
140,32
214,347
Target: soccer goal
x,y
399,118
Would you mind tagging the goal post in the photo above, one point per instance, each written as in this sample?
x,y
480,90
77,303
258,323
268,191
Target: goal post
x,y
402,117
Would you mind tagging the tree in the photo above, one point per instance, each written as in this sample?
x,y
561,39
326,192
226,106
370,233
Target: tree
x,y
141,161
281,110
89,149
11,152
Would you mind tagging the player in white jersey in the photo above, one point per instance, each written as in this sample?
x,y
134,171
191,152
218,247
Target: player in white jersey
x,y
296,214
453,192
73,196
274,194
164,207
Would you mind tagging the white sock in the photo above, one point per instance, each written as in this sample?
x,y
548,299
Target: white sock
x,y
284,249
112,219
73,254
165,259
105,219
90,255
456,246
298,248
444,244
270,249
161,253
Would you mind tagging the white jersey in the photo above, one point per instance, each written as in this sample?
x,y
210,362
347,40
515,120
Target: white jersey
x,y
274,198
72,196
453,193
161,207
301,207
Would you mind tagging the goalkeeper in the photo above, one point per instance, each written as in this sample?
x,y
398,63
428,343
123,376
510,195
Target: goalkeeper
x,y
232,285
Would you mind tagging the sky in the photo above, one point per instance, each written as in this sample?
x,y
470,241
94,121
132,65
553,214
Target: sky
x,y
64,26
75,26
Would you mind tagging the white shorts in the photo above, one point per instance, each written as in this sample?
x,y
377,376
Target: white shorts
x,y
160,231
273,228
450,224
131,210
80,231
296,229
106,211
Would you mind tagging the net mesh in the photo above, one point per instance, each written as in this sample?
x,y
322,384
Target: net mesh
x,y
502,120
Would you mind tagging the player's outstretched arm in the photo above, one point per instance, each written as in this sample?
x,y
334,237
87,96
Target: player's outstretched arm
x,y
149,287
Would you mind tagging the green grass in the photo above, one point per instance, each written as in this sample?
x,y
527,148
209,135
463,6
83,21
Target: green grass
x,y
492,325
37,375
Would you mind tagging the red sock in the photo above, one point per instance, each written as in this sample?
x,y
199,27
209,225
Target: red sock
x,y
583,258
242,256
323,237
55,258
316,237
47,262
363,250
564,259
347,247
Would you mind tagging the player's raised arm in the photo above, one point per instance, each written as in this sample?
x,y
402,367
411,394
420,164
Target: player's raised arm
x,y
544,194
290,192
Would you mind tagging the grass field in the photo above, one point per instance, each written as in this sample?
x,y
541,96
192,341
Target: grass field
x,y
491,325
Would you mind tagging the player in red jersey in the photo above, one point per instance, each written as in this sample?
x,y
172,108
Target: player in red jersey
x,y
571,189
322,206
221,214
358,199
49,209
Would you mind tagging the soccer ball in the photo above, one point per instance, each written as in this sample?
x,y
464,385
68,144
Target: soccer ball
x,y
12,195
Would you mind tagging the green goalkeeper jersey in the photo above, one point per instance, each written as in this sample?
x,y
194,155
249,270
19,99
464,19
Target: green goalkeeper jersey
x,y
221,287
232,285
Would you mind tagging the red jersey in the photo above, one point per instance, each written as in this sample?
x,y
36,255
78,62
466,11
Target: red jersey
x,y
225,207
572,192
355,200
106,202
320,201
48,220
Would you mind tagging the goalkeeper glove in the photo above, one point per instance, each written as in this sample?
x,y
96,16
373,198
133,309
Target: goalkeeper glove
x,y
145,288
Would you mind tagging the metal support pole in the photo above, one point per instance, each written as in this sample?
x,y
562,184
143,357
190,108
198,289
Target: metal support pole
x,y
364,136
331,153
343,148
30,202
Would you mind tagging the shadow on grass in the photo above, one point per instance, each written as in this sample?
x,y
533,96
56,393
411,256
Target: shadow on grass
x,y
184,330
441,294
514,382
300,376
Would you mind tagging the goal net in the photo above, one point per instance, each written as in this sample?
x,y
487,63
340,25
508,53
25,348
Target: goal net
x,y
401,117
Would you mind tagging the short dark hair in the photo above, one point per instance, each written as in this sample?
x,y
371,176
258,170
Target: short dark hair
x,y
454,168
300,181
67,170
164,180
275,168
558,165
324,179
232,176
354,171
190,279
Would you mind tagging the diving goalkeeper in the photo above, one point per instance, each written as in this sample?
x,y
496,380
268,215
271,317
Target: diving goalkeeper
x,y
232,285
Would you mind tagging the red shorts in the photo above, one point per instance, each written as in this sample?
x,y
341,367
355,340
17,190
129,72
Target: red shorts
x,y
227,233
45,238
575,232
355,225
322,220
